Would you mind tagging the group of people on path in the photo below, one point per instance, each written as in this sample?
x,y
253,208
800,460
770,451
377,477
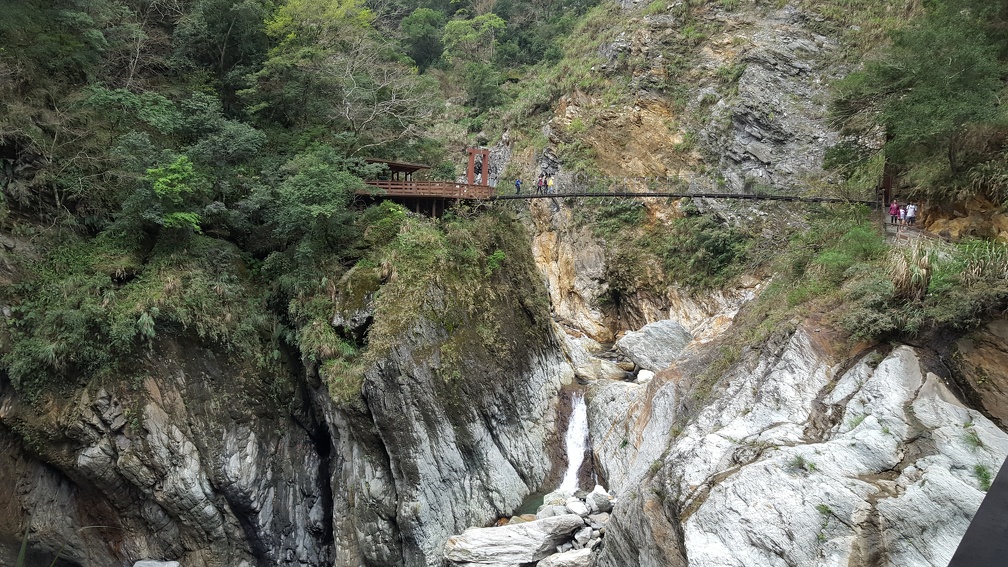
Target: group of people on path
x,y
544,184
902,215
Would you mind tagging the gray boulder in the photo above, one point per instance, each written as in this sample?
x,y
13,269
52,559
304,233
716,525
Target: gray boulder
x,y
575,558
600,500
655,346
550,511
577,507
512,544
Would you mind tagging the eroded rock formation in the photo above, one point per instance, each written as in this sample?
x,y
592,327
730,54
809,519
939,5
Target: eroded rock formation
x,y
199,460
798,462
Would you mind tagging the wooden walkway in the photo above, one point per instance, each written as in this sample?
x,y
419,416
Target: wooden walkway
x,y
450,190
427,190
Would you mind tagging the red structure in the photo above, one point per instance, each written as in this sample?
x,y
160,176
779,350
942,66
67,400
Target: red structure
x,y
484,168
402,185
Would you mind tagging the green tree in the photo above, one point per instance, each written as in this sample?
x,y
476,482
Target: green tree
x,y
310,207
125,109
173,186
214,140
332,69
422,32
225,37
473,40
166,202
482,81
940,79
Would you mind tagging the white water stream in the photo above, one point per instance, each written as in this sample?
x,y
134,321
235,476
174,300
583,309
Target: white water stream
x,y
576,441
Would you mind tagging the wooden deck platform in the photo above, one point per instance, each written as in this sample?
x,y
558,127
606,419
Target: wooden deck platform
x,y
427,190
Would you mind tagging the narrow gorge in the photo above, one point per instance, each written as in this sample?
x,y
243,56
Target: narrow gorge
x,y
226,342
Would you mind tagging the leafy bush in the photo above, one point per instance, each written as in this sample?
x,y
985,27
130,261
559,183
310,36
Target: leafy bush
x,y
91,304
609,220
702,252
482,82
934,92
910,272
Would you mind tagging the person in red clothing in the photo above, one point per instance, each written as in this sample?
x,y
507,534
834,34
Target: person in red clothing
x,y
894,212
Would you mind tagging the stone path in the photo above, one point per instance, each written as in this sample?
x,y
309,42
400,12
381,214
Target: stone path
x,y
902,235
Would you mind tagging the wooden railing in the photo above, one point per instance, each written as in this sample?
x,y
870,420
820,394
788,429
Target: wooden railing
x,y
445,189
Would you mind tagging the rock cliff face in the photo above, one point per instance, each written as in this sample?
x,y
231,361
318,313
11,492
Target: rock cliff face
x,y
981,361
423,459
576,269
189,462
801,454
195,460
742,109
797,461
773,132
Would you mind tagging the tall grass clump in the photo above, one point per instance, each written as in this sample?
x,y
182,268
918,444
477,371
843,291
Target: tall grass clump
x,y
984,261
928,285
910,272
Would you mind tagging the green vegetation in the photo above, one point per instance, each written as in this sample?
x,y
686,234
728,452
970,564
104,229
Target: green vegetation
x,y
935,91
835,268
801,465
971,437
87,306
457,270
856,420
964,286
192,169
825,513
983,476
648,255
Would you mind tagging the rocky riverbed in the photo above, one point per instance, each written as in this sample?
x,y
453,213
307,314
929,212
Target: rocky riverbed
x,y
566,531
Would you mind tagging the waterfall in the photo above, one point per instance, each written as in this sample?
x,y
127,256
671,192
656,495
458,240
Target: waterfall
x,y
576,441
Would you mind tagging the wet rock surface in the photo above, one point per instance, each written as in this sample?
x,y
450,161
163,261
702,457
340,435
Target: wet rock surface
x,y
567,530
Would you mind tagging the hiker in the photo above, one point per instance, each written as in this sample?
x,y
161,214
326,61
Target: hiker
x,y
539,184
549,184
911,214
517,186
893,212
902,217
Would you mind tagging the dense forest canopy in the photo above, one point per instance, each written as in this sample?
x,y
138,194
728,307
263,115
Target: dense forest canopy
x,y
148,141
936,94
214,146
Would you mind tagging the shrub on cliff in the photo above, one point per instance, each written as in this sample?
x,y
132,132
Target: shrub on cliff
x,y
90,306
936,92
